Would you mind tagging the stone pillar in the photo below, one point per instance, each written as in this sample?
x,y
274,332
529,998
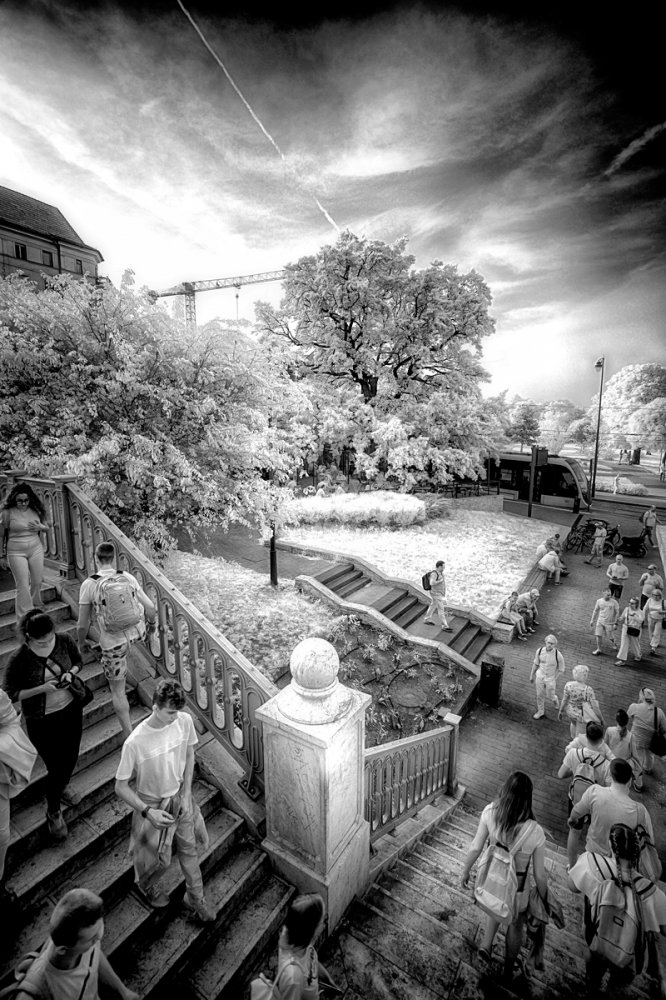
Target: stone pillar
x,y
314,742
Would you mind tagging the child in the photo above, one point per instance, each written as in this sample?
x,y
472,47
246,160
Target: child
x,y
618,739
592,739
509,615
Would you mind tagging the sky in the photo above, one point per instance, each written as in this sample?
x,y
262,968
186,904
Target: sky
x,y
527,144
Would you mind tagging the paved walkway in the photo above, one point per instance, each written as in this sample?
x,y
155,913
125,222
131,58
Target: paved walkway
x,y
496,742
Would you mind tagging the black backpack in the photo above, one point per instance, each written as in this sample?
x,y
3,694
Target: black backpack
x,y
425,580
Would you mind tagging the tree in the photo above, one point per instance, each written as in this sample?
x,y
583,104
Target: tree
x,y
628,390
379,345
165,427
581,431
647,425
554,420
524,425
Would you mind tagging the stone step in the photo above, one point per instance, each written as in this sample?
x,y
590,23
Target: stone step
x,y
223,968
411,614
149,963
351,584
388,600
334,573
89,836
406,603
474,649
57,610
8,598
109,873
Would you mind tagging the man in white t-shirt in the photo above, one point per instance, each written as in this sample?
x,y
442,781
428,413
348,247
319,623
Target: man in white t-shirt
x,y
71,964
606,612
617,574
112,645
548,663
159,756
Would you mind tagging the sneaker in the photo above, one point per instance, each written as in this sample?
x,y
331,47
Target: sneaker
x,y
447,628
152,896
596,652
653,652
538,715
57,826
200,908
620,663
70,796
523,638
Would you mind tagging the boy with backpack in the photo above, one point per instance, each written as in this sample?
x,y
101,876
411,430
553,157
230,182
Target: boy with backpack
x,y
120,607
586,762
71,962
622,909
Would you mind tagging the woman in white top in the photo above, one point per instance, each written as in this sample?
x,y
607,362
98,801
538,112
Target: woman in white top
x,y
22,524
503,821
631,620
654,611
642,715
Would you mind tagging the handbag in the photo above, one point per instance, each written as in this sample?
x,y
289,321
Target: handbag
x,y
633,631
658,741
589,715
78,688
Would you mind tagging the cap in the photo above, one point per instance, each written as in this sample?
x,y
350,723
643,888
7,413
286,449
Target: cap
x,y
535,593
652,566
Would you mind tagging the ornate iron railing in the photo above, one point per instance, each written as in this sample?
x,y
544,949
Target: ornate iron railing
x,y
222,687
402,776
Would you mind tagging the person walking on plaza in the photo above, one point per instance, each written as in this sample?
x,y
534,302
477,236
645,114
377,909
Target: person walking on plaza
x,y
576,694
159,755
631,620
604,621
120,607
618,574
597,546
37,677
526,605
437,598
646,718
654,612
619,740
606,806
648,583
649,521
548,663
71,963
22,525
509,820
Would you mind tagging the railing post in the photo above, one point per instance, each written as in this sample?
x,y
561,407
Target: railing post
x,y
65,544
314,733
452,781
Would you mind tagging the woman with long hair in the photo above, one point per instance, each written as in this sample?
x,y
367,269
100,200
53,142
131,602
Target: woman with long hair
x,y
585,877
300,973
38,675
503,821
22,524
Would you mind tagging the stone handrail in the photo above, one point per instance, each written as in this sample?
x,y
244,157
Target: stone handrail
x,y
402,776
222,687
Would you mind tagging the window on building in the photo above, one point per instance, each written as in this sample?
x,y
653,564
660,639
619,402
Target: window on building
x,y
78,266
47,258
21,251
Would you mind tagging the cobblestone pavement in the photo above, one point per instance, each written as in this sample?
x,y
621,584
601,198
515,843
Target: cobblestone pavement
x,y
494,742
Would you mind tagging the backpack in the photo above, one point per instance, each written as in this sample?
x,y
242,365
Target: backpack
x,y
583,776
116,604
616,917
34,987
496,888
425,580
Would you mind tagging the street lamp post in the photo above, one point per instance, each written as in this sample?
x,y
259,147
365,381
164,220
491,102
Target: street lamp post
x,y
600,365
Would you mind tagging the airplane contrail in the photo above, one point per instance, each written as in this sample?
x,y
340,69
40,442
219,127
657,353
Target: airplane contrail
x,y
633,148
249,108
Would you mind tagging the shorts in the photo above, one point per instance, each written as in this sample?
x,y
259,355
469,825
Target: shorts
x,y
113,651
604,630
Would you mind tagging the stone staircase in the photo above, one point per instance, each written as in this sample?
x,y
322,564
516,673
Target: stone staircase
x,y
157,953
405,608
414,935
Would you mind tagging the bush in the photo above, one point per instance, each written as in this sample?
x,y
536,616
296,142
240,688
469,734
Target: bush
x,y
382,507
605,484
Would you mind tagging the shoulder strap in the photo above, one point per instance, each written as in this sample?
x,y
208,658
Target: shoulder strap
x,y
609,873
656,718
522,837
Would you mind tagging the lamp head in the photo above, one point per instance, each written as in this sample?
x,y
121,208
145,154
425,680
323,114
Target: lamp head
x,y
600,363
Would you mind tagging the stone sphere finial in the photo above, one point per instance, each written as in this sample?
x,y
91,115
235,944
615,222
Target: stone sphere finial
x,y
314,665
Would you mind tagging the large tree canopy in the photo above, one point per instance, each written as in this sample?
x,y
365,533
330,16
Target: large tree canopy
x,y
630,389
164,426
391,356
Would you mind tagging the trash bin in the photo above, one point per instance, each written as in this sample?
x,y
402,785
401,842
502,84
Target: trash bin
x,y
490,682
636,456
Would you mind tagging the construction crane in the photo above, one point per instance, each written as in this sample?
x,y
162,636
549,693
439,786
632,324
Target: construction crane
x,y
188,289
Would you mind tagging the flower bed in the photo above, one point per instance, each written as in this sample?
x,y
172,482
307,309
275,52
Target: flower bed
x,y
381,507
606,484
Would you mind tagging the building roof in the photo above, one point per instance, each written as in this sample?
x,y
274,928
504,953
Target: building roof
x,y
22,212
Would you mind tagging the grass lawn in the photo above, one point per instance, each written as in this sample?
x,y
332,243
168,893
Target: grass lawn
x,y
486,554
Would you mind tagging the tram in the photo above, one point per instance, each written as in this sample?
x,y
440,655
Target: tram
x,y
561,483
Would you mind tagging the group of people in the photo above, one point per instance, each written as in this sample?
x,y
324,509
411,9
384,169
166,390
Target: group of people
x,y
648,609
157,756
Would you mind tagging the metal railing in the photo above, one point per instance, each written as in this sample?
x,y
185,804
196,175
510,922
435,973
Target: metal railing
x,y
402,776
222,687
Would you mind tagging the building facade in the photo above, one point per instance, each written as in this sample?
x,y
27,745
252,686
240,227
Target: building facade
x,y
37,240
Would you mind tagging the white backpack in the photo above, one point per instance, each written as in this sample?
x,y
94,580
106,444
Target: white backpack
x,y
116,604
496,888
